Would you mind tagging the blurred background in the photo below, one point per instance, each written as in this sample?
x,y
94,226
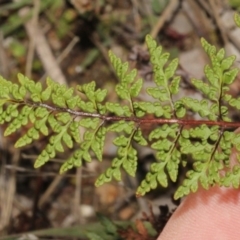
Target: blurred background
x,y
68,41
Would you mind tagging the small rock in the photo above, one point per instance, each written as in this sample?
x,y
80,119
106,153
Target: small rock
x,y
126,213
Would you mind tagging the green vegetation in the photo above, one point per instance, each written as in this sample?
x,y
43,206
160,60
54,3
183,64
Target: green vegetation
x,y
59,111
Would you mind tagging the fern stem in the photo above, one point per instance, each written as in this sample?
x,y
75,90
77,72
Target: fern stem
x,y
139,121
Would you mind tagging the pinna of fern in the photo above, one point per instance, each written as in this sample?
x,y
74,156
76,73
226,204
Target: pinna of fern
x,y
58,111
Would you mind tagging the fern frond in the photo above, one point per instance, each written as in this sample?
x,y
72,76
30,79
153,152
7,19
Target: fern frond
x,y
59,111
